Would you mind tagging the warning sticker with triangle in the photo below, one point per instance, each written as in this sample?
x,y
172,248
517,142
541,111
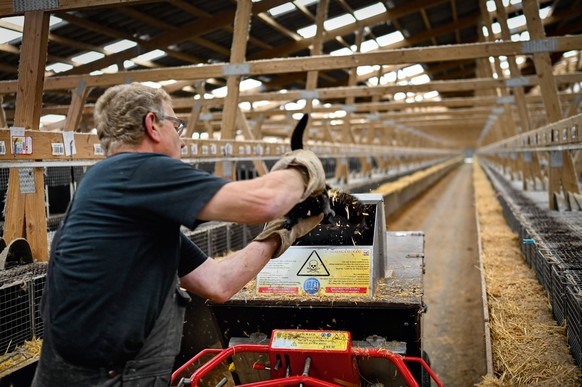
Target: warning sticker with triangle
x,y
313,266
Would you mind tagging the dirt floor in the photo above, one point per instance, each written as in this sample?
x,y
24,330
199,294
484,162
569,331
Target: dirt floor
x,y
453,333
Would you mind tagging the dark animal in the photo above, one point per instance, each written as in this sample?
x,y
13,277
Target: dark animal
x,y
313,205
346,220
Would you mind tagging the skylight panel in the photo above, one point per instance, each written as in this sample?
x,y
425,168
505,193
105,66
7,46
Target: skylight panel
x,y
154,54
245,85
545,12
282,9
389,77
305,3
7,35
16,20
14,32
59,67
300,104
431,95
363,70
120,46
413,70
491,6
399,96
51,118
53,21
307,32
369,45
87,57
370,11
516,21
250,84
341,52
127,64
421,79
391,38
338,22
154,85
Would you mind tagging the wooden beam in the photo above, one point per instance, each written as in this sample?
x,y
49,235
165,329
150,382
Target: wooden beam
x,y
3,123
238,48
323,62
11,7
25,212
75,112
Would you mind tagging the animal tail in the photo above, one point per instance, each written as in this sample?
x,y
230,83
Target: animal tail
x,y
297,135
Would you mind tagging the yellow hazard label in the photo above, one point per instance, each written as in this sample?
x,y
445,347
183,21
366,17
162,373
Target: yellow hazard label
x,y
310,340
304,270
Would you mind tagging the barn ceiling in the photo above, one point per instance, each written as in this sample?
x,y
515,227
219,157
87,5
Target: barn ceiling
x,y
139,35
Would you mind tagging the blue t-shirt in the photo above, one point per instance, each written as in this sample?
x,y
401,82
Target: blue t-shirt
x,y
118,253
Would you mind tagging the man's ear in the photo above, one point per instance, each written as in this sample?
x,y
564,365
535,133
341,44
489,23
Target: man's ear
x,y
152,127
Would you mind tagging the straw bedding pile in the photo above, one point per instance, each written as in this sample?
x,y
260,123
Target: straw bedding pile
x,y
528,347
27,352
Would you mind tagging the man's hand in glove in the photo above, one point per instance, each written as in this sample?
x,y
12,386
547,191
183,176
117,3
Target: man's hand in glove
x,y
310,167
275,229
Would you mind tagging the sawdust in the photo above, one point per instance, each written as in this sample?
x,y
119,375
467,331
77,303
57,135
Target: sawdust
x,y
529,348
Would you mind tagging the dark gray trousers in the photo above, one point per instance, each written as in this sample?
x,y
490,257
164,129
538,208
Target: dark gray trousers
x,y
151,367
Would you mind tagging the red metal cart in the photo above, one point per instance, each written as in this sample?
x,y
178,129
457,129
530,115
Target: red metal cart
x,y
319,358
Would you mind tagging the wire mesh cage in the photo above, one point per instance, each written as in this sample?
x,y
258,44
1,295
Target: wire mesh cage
x,y
218,240
573,312
20,295
567,260
236,236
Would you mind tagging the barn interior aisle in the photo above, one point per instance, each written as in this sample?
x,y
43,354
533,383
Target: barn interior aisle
x,y
453,325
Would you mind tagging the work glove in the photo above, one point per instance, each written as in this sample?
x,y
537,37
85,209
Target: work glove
x,y
310,167
275,228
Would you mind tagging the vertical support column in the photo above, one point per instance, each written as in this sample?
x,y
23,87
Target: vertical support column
x,y
25,212
238,49
3,123
316,49
562,175
529,163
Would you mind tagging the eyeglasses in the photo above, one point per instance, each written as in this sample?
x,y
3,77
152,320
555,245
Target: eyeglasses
x,y
180,125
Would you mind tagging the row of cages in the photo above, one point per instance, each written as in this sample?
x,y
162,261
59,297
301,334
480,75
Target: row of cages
x,y
553,136
565,132
61,181
551,243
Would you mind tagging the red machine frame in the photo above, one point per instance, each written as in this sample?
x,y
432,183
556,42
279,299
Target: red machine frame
x,y
340,364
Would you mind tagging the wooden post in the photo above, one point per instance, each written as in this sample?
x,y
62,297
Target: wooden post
x,y
3,123
240,37
25,212
316,49
79,95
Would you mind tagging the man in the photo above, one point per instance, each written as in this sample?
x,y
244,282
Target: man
x,y
113,304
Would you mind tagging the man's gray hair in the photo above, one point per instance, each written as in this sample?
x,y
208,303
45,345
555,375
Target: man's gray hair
x,y
120,112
